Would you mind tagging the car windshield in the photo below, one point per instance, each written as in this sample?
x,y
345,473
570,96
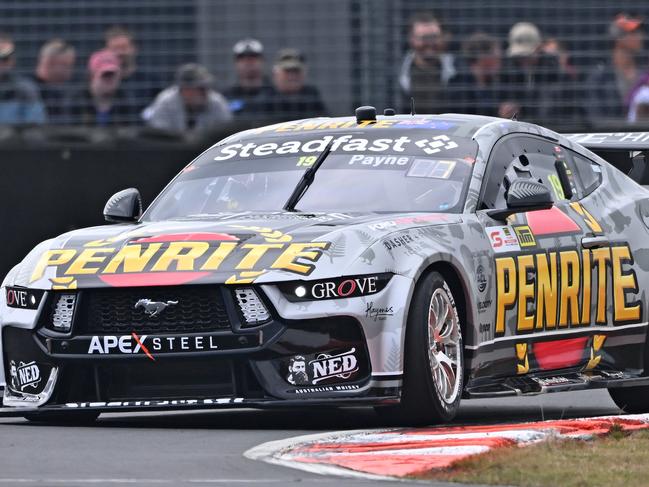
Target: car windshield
x,y
360,174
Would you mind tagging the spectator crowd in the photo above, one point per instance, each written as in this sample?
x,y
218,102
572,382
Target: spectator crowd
x,y
531,77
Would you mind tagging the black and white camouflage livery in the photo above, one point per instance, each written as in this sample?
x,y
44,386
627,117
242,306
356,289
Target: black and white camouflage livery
x,y
408,310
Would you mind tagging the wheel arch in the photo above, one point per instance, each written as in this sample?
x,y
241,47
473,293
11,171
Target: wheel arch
x,y
459,282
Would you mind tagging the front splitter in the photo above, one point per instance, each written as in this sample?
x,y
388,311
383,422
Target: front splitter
x,y
196,404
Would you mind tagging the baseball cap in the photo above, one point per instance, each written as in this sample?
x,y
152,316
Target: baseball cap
x,y
193,75
248,47
624,24
290,59
524,39
103,61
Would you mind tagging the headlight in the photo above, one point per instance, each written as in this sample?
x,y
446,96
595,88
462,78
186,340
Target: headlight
x,y
63,312
23,298
252,307
337,288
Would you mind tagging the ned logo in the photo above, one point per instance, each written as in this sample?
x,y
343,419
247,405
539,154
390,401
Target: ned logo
x,y
525,236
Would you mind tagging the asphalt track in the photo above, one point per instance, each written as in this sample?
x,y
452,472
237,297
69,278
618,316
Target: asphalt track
x,y
206,448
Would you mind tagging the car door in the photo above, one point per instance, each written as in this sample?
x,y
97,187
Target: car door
x,y
543,272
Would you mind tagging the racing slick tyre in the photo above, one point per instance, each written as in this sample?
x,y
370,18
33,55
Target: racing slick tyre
x,y
633,400
56,417
434,357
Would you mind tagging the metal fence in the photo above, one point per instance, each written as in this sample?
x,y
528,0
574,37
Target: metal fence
x,y
352,53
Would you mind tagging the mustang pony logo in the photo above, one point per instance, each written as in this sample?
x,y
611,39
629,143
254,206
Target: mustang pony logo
x,y
153,308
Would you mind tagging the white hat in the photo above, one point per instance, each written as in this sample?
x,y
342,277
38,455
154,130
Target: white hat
x,y
524,39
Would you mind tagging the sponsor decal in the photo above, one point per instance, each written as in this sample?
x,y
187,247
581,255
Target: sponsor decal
x,y
153,308
484,305
525,236
550,290
422,123
503,239
155,403
409,220
342,143
344,287
400,241
436,144
341,366
297,374
336,388
323,367
150,346
609,137
23,298
376,161
480,277
24,375
378,313
310,125
193,258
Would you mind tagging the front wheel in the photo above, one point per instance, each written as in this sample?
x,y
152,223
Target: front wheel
x,y
434,357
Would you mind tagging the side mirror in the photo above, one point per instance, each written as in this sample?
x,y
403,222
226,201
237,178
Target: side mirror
x,y
524,195
125,206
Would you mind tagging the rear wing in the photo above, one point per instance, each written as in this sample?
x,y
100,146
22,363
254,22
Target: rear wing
x,y
627,151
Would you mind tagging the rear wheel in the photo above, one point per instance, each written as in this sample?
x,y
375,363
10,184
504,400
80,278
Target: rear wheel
x,y
60,417
633,400
434,362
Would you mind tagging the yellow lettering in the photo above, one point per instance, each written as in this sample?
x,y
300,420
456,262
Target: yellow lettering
x,y
525,293
380,124
621,283
505,289
183,253
255,253
288,260
49,258
600,257
132,258
86,257
569,288
547,291
587,270
218,256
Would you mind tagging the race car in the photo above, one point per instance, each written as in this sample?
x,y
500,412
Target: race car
x,y
397,261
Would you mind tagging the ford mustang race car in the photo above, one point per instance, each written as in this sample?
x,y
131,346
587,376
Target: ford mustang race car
x,y
402,262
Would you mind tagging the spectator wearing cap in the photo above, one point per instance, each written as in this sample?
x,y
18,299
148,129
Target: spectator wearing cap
x,y
294,99
140,85
533,79
103,103
250,97
609,86
428,68
54,72
478,90
20,102
191,104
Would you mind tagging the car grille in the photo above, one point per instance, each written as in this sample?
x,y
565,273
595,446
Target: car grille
x,y
200,309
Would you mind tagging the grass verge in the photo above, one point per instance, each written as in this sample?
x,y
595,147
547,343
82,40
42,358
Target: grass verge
x,y
618,459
